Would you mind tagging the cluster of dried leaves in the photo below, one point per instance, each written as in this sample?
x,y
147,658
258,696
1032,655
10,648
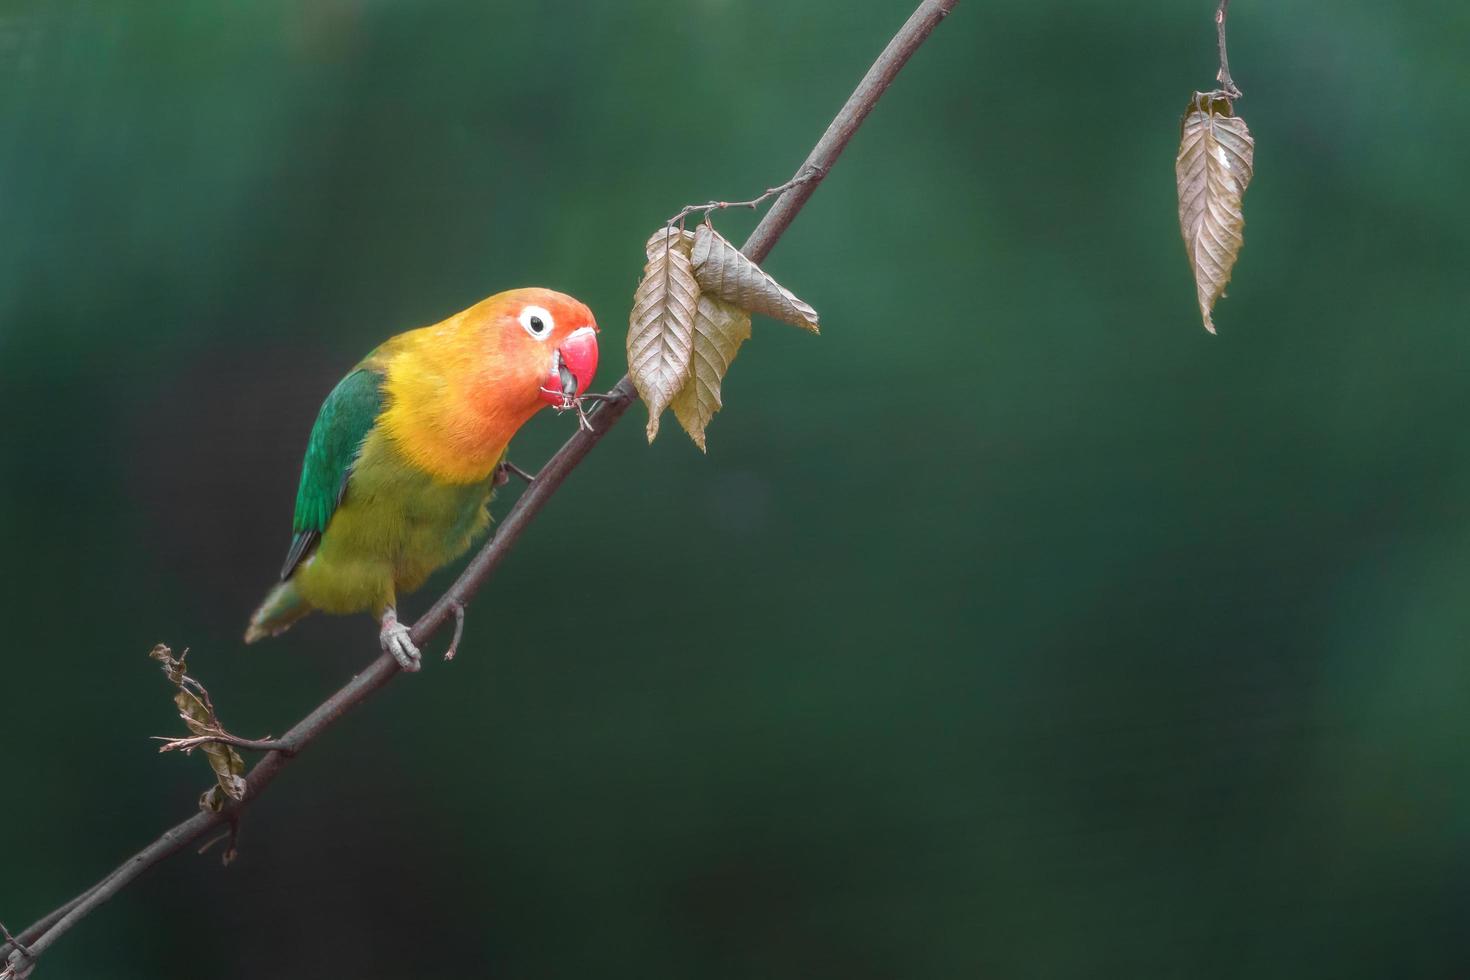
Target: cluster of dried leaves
x,y
1215,163
197,712
691,313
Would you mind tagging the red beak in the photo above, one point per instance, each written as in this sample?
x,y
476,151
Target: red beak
x,y
572,367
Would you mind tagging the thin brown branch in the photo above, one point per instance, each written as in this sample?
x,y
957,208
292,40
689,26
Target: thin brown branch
x,y
35,929
43,934
1227,84
912,34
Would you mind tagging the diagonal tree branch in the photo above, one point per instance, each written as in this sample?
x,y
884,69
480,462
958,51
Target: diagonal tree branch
x,y
44,933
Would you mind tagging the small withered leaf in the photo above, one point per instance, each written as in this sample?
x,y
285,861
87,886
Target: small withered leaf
x,y
719,330
725,272
172,669
217,797
197,712
661,324
1215,164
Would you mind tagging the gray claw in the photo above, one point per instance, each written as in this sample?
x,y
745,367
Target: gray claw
x,y
396,642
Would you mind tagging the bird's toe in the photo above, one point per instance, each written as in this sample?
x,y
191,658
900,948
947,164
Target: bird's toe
x,y
397,643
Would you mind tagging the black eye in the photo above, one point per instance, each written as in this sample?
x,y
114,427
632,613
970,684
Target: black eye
x,y
537,321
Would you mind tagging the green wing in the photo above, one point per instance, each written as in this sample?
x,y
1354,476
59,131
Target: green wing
x,y
347,415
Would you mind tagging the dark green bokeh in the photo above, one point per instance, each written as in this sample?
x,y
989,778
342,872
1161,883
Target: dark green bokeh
x,y
1013,628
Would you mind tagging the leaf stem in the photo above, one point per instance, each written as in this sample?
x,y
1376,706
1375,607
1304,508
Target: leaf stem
x,y
755,202
1228,87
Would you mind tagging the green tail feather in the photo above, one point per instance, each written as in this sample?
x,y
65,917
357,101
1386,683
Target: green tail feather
x,y
282,607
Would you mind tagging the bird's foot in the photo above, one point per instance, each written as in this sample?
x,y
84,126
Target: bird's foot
x,y
397,643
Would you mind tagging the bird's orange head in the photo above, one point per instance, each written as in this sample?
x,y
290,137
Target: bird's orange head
x,y
538,346
459,390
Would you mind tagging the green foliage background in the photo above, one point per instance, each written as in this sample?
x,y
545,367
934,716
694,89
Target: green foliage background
x,y
1014,628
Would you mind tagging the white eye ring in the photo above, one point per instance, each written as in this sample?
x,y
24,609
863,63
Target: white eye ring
x,y
538,322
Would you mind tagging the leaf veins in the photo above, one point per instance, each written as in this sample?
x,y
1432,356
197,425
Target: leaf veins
x,y
719,330
661,325
1215,164
725,272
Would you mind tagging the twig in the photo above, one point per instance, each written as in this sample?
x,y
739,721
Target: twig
x,y
508,469
42,935
458,631
753,203
35,929
191,743
232,836
1227,84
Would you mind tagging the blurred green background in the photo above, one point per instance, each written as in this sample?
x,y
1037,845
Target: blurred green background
x,y
1013,628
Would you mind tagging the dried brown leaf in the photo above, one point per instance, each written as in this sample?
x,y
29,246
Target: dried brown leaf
x,y
661,325
719,330
725,272
197,712
1215,164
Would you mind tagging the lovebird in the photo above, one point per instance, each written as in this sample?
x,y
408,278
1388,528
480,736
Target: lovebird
x,y
405,454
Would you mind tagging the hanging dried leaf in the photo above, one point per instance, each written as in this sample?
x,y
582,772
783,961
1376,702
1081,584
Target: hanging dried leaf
x,y
198,714
661,326
724,271
719,330
1215,163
